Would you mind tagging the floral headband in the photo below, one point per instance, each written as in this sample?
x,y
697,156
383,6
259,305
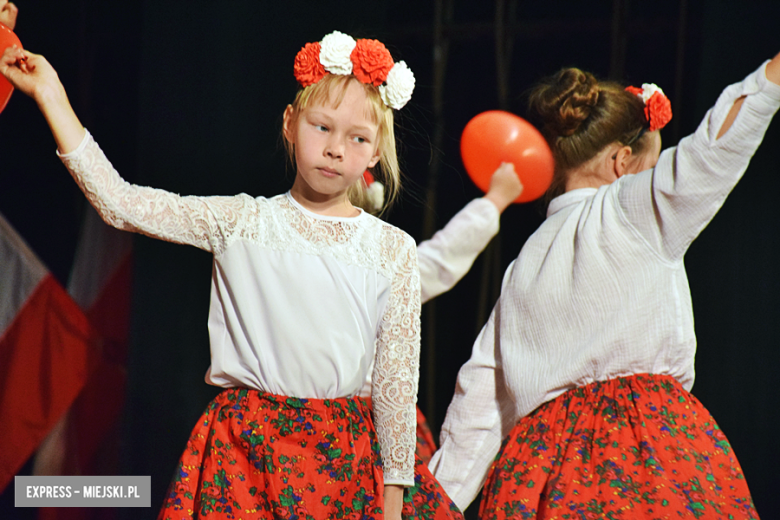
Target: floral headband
x,y
658,108
368,60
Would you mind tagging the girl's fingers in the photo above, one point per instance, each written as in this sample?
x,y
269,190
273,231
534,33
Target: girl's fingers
x,y
16,64
12,55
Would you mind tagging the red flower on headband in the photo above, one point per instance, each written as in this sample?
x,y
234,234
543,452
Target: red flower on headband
x,y
658,110
307,68
634,90
371,62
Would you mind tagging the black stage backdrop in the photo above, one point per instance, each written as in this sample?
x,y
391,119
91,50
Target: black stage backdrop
x,y
188,96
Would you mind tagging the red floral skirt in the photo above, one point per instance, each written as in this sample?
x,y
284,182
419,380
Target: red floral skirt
x,y
426,446
633,447
254,455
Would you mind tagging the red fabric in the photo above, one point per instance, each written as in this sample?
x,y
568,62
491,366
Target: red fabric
x,y
426,446
97,410
46,355
254,456
89,441
634,447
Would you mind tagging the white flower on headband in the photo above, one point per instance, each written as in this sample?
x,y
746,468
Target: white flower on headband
x,y
336,49
400,84
648,89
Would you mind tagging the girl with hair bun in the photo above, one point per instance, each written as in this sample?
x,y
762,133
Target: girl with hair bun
x,y
575,402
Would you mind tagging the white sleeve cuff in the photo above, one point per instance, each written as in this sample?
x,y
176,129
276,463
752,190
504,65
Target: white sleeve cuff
x,y
79,148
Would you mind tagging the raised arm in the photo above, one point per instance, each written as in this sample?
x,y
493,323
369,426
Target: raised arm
x,y
450,253
772,74
204,222
671,204
33,75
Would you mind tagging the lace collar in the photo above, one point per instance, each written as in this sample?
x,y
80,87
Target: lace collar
x,y
317,216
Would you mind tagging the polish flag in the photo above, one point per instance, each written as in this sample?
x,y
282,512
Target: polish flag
x,y
86,439
85,442
48,351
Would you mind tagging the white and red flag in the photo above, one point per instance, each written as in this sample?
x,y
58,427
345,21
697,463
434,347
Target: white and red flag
x,y
86,439
100,282
48,352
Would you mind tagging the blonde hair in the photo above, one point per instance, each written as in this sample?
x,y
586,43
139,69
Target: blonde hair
x,y
579,116
331,89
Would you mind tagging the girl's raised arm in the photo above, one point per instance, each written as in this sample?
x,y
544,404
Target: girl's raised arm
x,y
772,74
691,181
33,75
204,222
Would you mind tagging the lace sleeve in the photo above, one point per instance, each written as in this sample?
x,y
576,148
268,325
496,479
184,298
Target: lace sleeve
x,y
204,222
396,370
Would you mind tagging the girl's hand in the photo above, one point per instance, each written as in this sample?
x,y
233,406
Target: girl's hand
x,y
773,70
8,12
505,186
32,74
394,502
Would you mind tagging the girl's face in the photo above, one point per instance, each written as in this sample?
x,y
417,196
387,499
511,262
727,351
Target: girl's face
x,y
333,145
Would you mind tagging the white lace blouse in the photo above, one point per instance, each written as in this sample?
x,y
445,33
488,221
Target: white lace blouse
x,y
599,290
448,255
301,304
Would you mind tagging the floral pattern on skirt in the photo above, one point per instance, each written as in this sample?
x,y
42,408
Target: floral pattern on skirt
x,y
426,446
254,455
631,447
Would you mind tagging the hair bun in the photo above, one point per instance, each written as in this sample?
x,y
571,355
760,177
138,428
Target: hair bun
x,y
564,102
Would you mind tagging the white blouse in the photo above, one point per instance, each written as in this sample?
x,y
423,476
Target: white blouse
x,y
448,255
301,304
599,290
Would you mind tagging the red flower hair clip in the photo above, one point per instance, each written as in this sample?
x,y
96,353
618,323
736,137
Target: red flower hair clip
x,y
658,108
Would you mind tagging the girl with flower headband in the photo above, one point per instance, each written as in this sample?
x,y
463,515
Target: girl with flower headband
x,y
307,292
575,402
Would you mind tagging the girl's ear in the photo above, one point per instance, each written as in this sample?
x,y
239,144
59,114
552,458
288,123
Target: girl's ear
x,y
621,161
289,123
375,159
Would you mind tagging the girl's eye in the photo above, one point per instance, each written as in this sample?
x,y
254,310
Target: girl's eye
x,y
321,128
359,139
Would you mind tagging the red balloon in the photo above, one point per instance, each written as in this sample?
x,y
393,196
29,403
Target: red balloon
x,y
7,39
495,136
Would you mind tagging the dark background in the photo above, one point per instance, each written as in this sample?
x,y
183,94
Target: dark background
x,y
188,96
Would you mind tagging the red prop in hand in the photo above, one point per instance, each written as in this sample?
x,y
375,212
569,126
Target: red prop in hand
x,y
7,39
495,136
